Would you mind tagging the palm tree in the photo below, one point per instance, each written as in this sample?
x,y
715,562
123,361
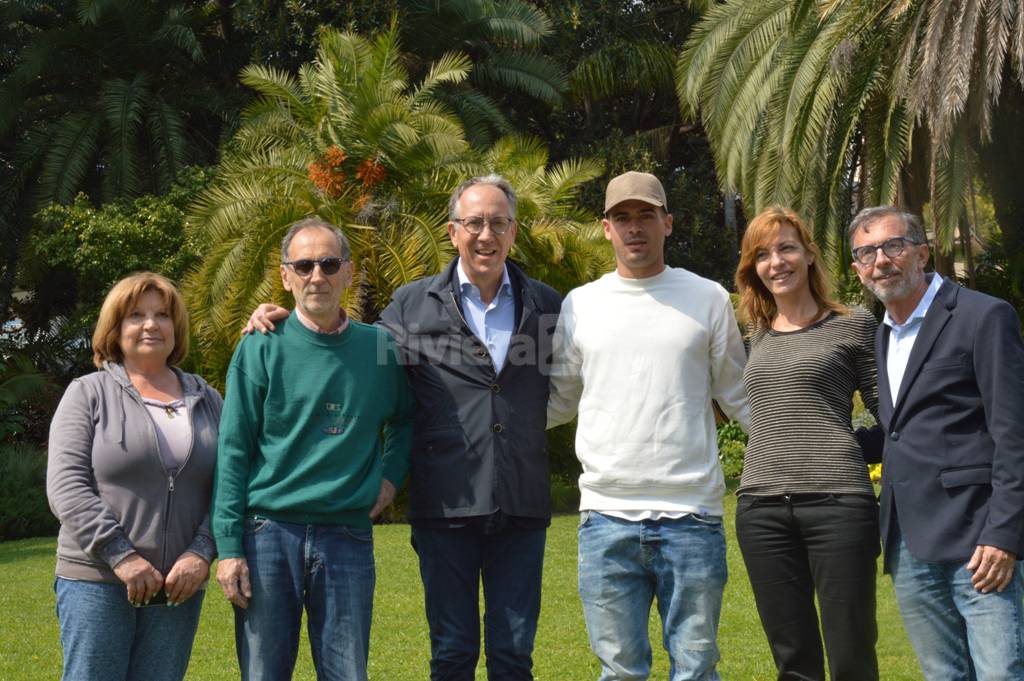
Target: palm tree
x,y
109,97
351,139
558,242
831,105
503,38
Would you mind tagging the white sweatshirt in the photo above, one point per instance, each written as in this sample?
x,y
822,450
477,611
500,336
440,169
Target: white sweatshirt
x,y
642,359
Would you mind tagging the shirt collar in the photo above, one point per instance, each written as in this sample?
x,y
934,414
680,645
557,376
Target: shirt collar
x,y
464,282
315,328
922,305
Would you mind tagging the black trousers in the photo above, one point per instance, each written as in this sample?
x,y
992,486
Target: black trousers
x,y
801,545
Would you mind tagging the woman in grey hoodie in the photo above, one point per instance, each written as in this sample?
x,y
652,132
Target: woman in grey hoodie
x,y
129,476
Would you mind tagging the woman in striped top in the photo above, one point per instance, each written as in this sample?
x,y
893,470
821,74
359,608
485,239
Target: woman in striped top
x,y
807,518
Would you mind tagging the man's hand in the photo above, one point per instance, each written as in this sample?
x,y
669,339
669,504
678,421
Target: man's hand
x,y
262,319
384,499
233,575
992,568
185,577
142,579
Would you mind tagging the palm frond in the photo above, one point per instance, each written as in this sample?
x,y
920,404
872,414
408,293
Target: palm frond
x,y
622,68
72,150
530,74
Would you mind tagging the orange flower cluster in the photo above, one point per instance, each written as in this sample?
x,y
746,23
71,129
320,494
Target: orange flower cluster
x,y
371,172
327,173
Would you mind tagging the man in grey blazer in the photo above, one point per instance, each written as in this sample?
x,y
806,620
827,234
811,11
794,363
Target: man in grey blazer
x,y
951,403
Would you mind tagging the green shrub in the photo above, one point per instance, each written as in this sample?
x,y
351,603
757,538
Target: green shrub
x,y
24,511
731,453
732,445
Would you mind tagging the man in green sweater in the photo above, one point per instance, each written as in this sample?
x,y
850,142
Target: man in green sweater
x,y
302,469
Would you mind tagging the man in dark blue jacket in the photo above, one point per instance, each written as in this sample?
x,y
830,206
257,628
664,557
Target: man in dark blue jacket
x,y
476,341
951,399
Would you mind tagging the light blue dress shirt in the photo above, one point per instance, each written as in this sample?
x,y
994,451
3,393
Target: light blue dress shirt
x,y
491,322
902,337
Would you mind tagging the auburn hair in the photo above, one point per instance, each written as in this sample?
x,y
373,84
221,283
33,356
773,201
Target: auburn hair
x,y
757,306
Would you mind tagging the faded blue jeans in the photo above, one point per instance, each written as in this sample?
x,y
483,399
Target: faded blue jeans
x,y
105,638
327,569
958,634
625,565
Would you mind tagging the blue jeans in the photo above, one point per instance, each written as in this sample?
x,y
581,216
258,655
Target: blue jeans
x,y
958,634
327,569
105,638
452,563
624,565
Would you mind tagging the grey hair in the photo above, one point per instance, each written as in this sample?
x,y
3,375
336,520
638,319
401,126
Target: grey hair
x,y
314,221
913,228
492,180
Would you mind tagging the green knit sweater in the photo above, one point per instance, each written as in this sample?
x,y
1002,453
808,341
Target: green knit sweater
x,y
300,433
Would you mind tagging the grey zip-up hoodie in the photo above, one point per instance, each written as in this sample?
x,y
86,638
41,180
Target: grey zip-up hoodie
x,y
107,483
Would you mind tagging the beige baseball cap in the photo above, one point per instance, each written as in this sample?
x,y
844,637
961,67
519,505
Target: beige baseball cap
x,y
633,185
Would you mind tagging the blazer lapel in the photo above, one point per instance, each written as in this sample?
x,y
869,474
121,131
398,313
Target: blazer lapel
x,y
885,406
934,321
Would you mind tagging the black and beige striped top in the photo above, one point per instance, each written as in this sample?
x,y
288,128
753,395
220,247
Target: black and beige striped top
x,y
801,386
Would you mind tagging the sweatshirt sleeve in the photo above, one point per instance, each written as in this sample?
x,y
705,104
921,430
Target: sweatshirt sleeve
x,y
203,544
399,426
240,421
867,371
566,369
70,484
728,358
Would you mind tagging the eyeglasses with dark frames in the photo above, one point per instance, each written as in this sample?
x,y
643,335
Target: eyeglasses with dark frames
x,y
893,248
475,224
304,267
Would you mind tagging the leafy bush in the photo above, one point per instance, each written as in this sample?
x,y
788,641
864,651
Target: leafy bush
x,y
22,387
732,445
77,252
24,511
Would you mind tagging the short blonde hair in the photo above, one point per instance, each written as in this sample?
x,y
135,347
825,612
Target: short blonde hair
x,y
757,305
121,299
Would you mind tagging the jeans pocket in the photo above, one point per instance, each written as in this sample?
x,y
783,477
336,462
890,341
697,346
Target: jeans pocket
x,y
744,503
362,534
704,519
854,500
584,519
256,524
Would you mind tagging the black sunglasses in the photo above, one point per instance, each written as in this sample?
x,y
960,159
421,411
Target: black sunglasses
x,y
304,267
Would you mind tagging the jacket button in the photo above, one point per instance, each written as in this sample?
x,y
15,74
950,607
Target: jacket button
x,y
497,428
894,436
495,388
481,352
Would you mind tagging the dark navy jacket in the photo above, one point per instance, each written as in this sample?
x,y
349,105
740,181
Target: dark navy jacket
x,y
953,467
479,444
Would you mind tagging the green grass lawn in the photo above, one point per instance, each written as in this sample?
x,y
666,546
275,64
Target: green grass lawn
x,y
30,648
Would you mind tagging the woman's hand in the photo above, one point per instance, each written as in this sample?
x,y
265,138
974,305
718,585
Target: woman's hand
x,y
142,579
185,577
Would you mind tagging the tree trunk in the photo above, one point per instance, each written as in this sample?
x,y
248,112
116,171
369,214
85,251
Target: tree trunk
x,y
731,225
1001,163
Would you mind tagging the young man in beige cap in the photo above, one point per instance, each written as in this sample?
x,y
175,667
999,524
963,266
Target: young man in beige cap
x,y
640,354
